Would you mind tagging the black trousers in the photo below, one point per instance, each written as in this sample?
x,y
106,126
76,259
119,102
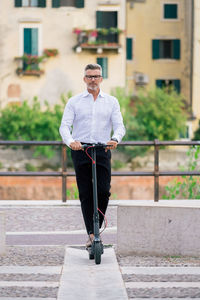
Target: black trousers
x,y
83,169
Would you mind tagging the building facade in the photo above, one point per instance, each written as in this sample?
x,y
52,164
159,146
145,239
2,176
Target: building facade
x,y
159,46
46,44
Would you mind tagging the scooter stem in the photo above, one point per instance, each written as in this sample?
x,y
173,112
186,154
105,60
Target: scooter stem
x,y
95,197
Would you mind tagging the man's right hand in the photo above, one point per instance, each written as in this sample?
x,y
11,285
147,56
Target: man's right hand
x,y
76,145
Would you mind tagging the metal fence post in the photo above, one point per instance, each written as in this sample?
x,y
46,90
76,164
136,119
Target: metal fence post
x,y
156,171
64,173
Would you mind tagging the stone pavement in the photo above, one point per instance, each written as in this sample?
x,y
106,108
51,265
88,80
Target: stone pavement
x,y
33,268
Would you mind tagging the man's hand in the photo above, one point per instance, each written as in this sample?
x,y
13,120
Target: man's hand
x,y
112,144
76,145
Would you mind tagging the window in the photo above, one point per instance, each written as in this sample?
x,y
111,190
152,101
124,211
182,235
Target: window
x,y
170,11
107,19
103,62
169,83
166,49
30,44
30,3
129,48
74,3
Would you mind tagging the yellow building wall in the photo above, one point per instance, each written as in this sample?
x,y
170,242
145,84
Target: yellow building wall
x,y
144,23
196,64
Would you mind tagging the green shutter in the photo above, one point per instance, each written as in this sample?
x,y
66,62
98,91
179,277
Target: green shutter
x,y
177,85
170,11
42,3
176,49
155,49
159,83
34,41
129,48
27,40
55,3
99,19
103,62
18,3
79,3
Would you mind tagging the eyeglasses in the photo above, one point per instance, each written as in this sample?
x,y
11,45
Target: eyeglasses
x,y
93,76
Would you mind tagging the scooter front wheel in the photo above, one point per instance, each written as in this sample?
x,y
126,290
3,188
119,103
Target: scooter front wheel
x,y
97,253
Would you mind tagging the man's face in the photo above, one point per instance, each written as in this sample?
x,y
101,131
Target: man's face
x,y
93,79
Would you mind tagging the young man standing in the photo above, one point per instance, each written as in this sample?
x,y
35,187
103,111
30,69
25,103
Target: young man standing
x,y
93,115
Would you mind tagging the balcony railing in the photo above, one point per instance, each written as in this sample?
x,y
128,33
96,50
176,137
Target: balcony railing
x,y
156,173
99,39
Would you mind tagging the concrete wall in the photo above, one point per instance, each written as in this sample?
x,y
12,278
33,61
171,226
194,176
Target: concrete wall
x,y
2,233
163,228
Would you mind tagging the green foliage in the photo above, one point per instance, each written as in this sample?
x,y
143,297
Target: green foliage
x,y
197,134
154,114
31,122
117,164
188,187
30,167
73,193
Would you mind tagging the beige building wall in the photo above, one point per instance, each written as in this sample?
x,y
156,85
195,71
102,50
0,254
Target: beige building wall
x,y
62,73
144,23
196,64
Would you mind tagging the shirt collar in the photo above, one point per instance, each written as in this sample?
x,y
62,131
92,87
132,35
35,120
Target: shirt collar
x,y
86,93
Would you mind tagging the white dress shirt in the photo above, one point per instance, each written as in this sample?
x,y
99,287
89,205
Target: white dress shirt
x,y
92,121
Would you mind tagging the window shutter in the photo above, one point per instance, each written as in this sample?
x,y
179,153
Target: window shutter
x,y
159,83
155,49
176,49
129,48
79,3
42,3
99,19
27,41
170,11
34,41
103,62
18,3
177,85
55,3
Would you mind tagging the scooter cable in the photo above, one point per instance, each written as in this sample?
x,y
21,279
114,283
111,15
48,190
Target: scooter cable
x,y
86,151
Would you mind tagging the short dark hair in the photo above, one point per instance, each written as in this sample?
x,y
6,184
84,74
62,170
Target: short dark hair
x,y
93,67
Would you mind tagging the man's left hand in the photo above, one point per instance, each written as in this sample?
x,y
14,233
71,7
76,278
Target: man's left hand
x,y
112,145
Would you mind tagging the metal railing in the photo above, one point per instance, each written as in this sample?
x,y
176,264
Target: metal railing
x,y
156,173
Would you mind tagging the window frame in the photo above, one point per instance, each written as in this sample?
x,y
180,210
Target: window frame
x,y
163,11
107,72
21,37
173,82
133,43
176,44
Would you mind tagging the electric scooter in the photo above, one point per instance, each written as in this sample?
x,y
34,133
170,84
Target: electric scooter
x,y
96,249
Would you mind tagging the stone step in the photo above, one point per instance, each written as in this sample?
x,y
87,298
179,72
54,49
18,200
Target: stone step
x,y
150,285
161,270
28,284
30,270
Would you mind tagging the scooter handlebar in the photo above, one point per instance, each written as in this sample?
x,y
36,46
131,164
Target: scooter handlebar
x,y
99,145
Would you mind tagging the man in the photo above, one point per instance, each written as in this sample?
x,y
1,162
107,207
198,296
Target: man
x,y
93,115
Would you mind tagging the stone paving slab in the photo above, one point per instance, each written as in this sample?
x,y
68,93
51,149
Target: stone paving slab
x,y
19,298
160,270
30,270
83,280
149,285
28,284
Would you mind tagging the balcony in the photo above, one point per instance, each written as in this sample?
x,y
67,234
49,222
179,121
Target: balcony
x,y
99,40
29,64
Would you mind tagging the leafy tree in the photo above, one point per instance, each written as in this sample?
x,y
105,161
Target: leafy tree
x,y
154,114
31,122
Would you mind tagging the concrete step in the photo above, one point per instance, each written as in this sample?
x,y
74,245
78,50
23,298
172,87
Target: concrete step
x,y
82,279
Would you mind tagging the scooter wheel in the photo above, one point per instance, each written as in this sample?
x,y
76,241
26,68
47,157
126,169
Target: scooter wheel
x,y
97,253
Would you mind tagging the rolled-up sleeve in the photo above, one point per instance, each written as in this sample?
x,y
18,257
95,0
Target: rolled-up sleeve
x,y
117,122
66,124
